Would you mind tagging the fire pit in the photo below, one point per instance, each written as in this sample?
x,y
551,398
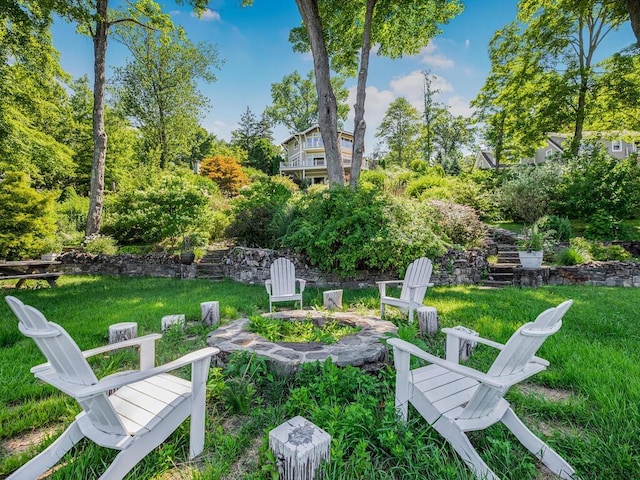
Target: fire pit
x,y
361,349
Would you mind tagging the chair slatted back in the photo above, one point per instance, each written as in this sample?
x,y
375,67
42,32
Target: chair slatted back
x,y
418,273
67,362
514,358
283,277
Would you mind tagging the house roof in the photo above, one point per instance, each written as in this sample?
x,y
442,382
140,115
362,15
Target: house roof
x,y
310,129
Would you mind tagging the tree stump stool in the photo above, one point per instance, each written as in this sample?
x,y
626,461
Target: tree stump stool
x,y
332,299
119,332
210,313
428,320
299,447
169,320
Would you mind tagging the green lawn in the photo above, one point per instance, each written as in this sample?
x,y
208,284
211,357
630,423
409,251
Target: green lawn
x,y
588,409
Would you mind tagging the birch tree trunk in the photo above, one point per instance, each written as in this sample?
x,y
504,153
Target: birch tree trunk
x,y
360,126
96,194
327,105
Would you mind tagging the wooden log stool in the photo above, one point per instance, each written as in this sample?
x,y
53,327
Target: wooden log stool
x,y
210,313
299,447
119,332
332,299
428,320
170,320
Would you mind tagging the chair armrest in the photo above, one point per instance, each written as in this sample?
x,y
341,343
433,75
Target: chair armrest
x,y
302,282
382,285
121,379
145,340
267,285
485,341
496,382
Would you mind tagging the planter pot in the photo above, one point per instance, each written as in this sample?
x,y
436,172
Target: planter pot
x,y
187,258
531,259
48,256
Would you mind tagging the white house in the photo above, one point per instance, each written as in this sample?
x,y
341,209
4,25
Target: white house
x,y
618,145
305,156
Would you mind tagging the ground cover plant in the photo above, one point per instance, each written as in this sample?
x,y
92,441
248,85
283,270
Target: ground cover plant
x,y
586,404
277,330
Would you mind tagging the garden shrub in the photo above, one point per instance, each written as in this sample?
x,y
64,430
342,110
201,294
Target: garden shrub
x,y
100,244
72,211
342,230
459,222
225,172
602,226
27,218
261,212
560,226
374,177
527,196
572,256
596,181
168,209
599,251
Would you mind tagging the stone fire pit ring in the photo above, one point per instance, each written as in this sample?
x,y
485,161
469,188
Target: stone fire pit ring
x,y
361,349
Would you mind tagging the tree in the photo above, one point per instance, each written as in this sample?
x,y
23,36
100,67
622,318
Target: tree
x,y
226,172
94,18
255,138
295,101
158,89
543,70
351,27
400,129
33,110
428,114
327,103
450,134
27,218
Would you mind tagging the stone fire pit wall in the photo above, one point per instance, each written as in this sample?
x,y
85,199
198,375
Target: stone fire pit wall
x,y
363,349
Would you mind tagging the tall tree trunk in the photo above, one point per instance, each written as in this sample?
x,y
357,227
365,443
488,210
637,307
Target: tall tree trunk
x,y
634,14
99,134
580,114
327,105
360,126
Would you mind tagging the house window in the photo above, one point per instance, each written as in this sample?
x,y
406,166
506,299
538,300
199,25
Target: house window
x,y
616,145
346,143
314,141
548,153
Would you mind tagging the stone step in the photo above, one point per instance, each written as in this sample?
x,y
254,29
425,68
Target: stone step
x,y
496,283
502,277
503,267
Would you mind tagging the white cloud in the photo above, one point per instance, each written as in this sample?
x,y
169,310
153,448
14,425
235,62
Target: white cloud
x,y
429,57
411,87
466,43
459,105
208,15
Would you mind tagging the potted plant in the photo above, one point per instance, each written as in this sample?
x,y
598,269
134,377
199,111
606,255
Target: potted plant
x,y
530,247
187,256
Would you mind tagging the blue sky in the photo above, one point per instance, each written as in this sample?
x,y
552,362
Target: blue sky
x,y
253,42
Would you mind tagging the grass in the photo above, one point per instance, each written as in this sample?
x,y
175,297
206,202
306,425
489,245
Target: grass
x,y
595,370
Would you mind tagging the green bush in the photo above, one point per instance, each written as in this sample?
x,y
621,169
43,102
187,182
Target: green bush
x,y
602,226
101,244
27,218
343,230
527,196
571,256
599,251
595,181
559,226
167,209
261,212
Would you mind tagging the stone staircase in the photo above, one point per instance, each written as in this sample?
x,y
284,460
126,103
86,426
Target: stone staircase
x,y
211,266
500,274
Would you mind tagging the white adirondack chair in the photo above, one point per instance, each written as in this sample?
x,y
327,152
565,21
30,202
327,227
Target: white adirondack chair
x,y
132,411
281,287
455,399
414,287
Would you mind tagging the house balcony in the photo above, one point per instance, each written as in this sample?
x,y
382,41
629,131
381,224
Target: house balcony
x,y
309,163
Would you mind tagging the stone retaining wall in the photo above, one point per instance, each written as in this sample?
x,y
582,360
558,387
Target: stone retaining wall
x,y
251,265
148,265
603,274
